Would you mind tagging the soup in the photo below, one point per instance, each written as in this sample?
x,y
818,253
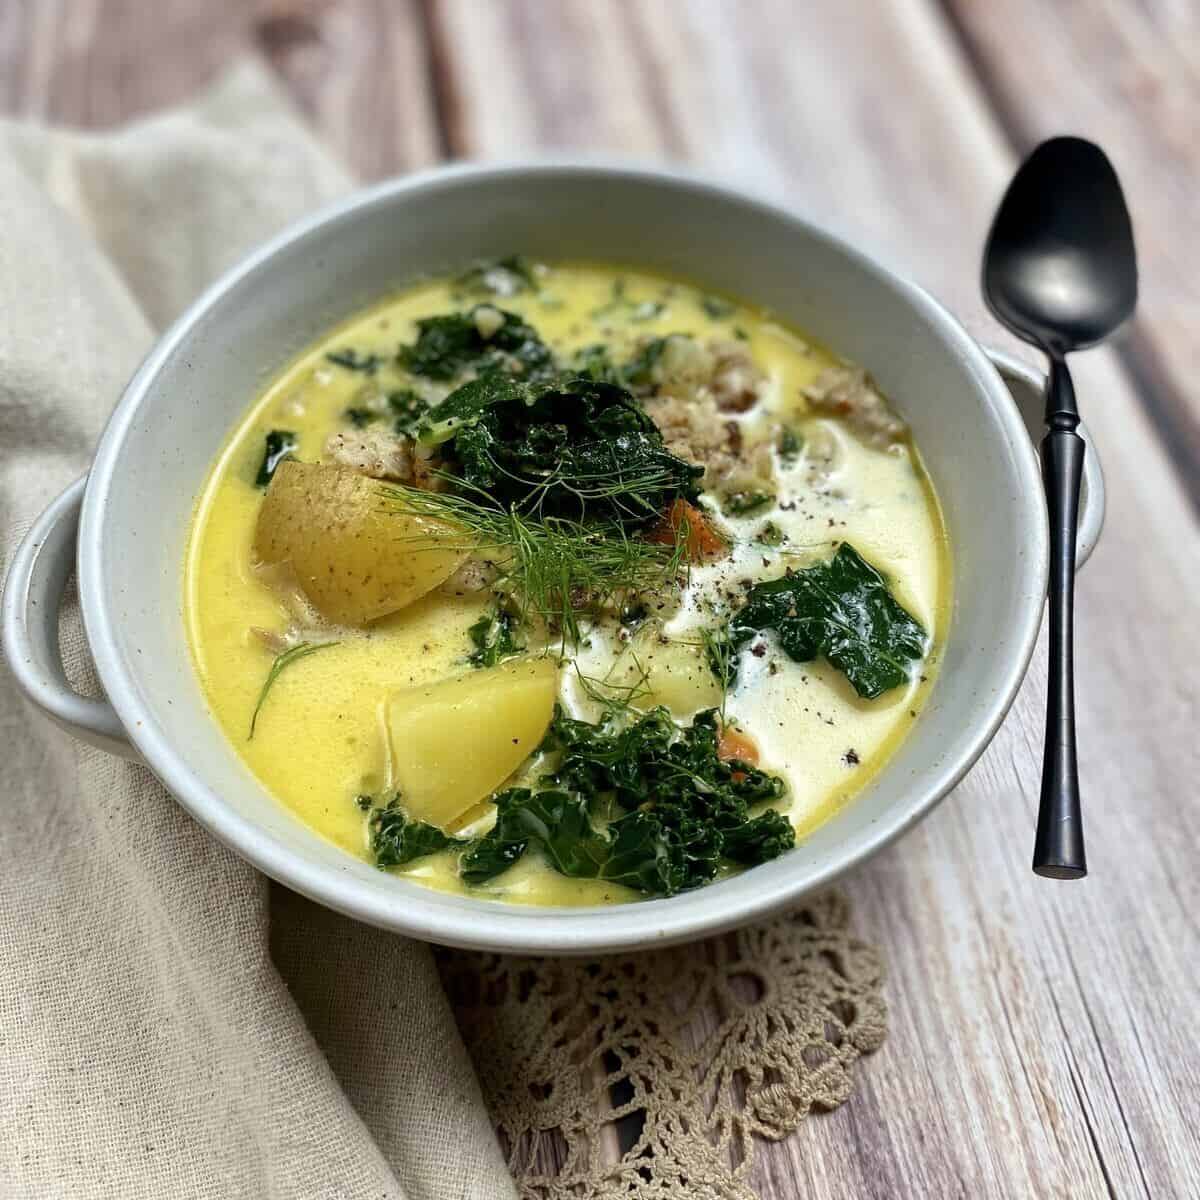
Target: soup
x,y
566,584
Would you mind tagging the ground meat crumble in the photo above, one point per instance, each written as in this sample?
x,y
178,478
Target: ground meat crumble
x,y
850,393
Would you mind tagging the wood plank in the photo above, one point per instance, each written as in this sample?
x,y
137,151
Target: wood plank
x,y
1042,1034
514,79
358,69
1128,77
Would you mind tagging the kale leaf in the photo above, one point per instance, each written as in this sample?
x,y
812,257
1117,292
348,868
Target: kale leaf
x,y
575,444
681,811
573,447
716,308
494,637
684,808
841,609
408,410
595,362
449,345
355,360
638,371
789,446
559,822
501,277
279,444
360,417
744,504
767,836
397,839
467,404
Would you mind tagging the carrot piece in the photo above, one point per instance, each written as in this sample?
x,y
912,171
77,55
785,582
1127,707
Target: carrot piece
x,y
734,744
703,541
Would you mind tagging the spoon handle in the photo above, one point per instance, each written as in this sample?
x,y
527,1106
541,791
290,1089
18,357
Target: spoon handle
x,y
1058,849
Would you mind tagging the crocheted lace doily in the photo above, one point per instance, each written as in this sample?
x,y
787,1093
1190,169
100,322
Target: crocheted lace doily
x,y
653,1075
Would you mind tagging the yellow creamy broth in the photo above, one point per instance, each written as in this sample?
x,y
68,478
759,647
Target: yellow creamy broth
x,y
320,739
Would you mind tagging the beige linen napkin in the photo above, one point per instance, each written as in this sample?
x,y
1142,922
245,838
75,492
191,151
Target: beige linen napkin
x,y
169,1024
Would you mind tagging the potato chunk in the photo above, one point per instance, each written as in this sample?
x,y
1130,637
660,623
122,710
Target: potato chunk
x,y
455,742
353,559
673,674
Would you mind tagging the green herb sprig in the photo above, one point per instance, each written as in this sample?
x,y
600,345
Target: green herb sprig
x,y
616,700
556,569
494,637
281,663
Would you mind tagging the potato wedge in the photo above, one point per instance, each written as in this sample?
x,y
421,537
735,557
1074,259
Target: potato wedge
x,y
353,559
454,742
673,674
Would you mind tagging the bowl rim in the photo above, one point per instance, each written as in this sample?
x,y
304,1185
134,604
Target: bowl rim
x,y
493,925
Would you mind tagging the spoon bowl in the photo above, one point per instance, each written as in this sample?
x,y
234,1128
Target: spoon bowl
x,y
1059,268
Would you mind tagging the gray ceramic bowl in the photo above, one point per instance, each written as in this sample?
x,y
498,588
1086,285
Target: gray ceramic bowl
x,y
132,516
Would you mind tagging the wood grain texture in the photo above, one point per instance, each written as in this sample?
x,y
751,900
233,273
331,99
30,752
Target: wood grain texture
x,y
1128,77
357,69
1043,1035
1040,1033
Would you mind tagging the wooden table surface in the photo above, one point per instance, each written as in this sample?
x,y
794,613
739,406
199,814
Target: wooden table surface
x,y
1045,1036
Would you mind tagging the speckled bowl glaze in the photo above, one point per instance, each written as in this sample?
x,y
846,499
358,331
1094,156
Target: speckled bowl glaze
x,y
129,519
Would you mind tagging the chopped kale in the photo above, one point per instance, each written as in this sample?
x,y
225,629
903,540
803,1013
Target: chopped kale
x,y
279,444
616,300
575,448
680,810
647,310
789,446
743,504
468,405
715,307
620,304
756,841
397,839
683,809
408,410
450,345
769,534
841,609
494,637
595,362
638,371
360,417
557,821
355,360
501,277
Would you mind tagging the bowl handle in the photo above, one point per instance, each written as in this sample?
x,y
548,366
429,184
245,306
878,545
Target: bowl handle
x,y
1028,388
33,594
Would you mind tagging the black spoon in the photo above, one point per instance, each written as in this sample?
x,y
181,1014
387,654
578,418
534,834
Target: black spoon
x,y
1060,271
